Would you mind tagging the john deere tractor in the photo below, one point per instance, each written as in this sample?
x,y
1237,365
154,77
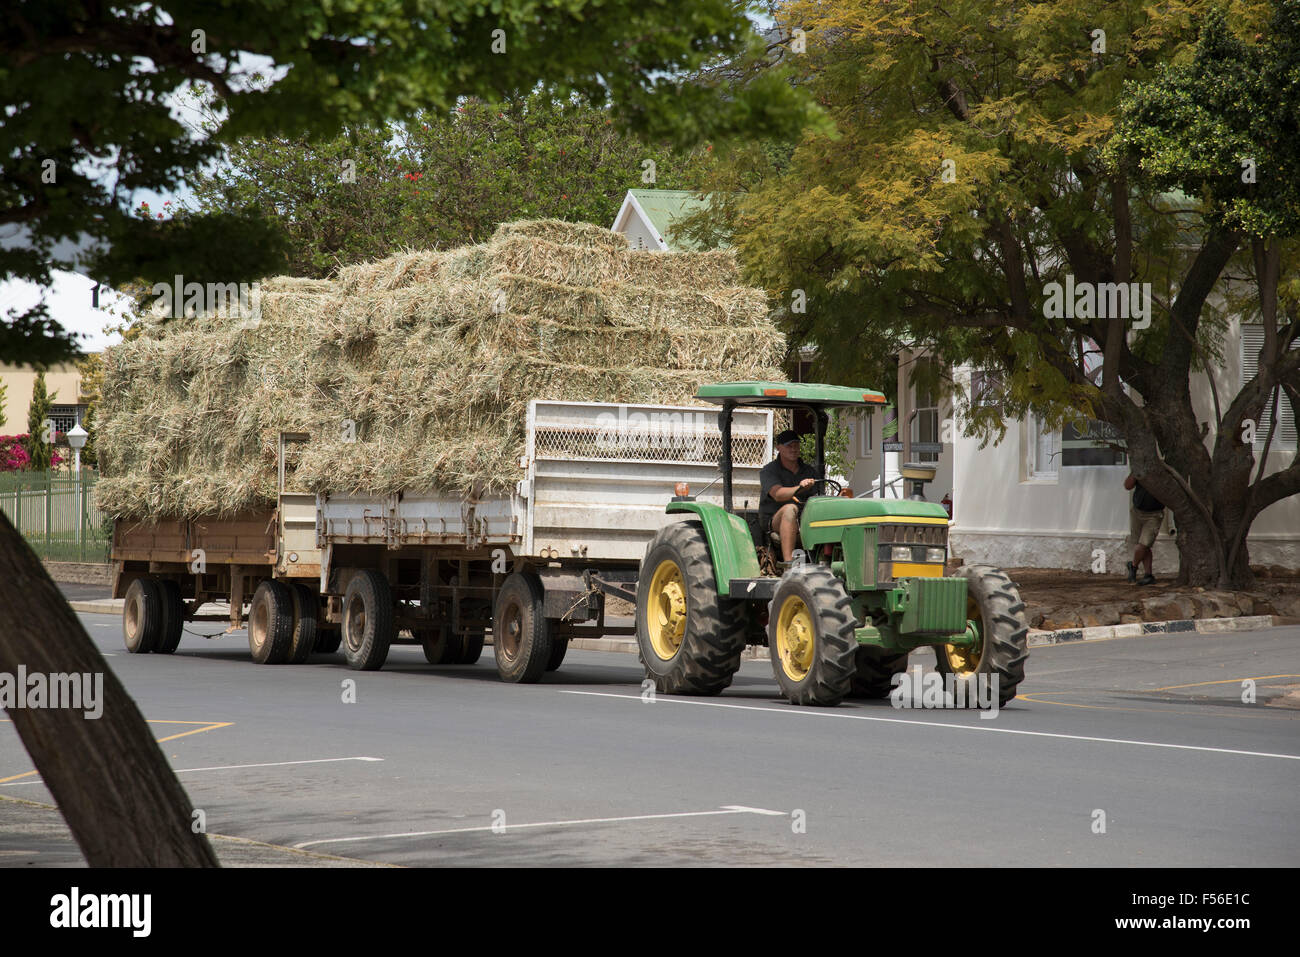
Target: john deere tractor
x,y
839,623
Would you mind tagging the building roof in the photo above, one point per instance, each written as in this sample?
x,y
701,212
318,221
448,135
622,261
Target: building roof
x,y
659,209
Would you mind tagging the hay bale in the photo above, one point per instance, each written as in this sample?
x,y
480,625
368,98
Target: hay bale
x,y
415,371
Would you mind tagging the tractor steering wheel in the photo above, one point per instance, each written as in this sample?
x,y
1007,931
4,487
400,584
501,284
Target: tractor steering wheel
x,y
819,482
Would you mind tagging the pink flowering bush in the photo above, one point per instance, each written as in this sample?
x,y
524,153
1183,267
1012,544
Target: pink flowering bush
x,y
13,454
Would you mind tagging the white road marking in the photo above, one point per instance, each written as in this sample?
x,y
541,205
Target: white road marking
x,y
815,713
726,809
272,764
228,767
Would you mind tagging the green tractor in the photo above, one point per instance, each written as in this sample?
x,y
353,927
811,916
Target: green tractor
x,y
842,622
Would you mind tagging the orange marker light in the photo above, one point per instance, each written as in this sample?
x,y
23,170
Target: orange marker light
x,y
774,392
682,488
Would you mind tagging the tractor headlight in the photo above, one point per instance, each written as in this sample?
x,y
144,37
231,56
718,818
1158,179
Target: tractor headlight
x,y
934,555
901,553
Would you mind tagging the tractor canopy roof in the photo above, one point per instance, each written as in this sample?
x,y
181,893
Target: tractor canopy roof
x,y
786,395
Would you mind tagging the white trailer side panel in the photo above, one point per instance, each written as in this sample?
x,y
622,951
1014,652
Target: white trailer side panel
x,y
599,475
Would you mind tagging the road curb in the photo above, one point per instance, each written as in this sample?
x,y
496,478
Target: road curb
x,y
1204,626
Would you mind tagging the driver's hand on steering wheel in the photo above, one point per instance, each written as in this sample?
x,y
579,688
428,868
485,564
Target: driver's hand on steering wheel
x,y
804,483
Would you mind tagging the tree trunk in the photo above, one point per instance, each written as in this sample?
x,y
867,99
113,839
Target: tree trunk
x,y
116,791
1203,556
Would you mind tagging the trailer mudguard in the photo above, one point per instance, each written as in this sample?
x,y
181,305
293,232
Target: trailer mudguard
x,y
730,545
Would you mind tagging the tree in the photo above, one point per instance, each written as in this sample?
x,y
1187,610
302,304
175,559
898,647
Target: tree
x,y
441,179
90,370
89,122
91,119
40,435
969,182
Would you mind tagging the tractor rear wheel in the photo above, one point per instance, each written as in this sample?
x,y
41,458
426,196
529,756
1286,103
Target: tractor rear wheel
x,y
689,637
997,615
874,671
811,636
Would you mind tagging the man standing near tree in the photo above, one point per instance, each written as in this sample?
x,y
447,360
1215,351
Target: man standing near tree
x,y
1145,515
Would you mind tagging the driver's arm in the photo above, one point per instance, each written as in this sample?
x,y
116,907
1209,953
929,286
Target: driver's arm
x,y
787,493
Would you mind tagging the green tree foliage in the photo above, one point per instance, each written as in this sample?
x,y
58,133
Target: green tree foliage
x,y
968,179
40,443
442,179
90,370
89,119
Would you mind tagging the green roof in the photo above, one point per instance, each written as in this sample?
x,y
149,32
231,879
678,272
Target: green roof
x,y
663,207
784,395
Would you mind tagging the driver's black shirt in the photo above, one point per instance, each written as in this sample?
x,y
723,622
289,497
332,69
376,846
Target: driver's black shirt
x,y
775,475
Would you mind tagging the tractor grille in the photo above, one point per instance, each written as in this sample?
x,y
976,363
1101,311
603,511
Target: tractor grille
x,y
899,534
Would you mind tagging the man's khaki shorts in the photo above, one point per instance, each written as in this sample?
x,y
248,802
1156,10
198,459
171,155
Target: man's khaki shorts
x,y
1144,526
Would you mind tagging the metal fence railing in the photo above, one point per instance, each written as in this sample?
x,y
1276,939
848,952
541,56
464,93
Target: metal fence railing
x,y
56,513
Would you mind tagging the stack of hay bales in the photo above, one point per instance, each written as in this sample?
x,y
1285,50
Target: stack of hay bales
x,y
415,372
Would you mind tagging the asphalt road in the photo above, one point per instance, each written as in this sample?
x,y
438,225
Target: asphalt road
x,y
577,770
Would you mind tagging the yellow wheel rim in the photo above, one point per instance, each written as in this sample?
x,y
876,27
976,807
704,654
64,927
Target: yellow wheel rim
x,y
965,659
795,638
666,609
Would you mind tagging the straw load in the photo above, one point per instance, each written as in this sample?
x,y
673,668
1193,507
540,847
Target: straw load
x,y
415,372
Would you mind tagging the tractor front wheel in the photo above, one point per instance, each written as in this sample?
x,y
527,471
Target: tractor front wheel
x,y
690,638
996,615
811,637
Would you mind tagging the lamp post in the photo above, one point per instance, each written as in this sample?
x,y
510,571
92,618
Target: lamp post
x,y
77,439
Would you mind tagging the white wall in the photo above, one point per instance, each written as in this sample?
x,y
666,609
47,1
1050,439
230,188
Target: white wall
x,y
1003,516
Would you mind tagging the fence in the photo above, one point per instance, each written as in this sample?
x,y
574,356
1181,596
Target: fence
x,y
56,513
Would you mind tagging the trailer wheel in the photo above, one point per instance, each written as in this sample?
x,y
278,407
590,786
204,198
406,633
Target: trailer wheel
x,y
873,672
521,634
471,649
689,637
142,616
173,617
367,620
441,647
270,623
995,611
811,637
327,639
306,607
558,648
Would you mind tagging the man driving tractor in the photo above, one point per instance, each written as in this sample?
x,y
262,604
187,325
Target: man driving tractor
x,y
784,482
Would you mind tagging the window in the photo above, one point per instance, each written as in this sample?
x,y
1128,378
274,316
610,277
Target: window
x,y
1089,442
65,417
986,388
1252,341
1042,457
862,428
925,424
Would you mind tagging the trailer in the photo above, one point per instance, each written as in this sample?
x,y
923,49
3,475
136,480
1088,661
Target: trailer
x,y
530,568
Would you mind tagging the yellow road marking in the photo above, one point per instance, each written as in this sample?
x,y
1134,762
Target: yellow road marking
x,y
1225,681
207,726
